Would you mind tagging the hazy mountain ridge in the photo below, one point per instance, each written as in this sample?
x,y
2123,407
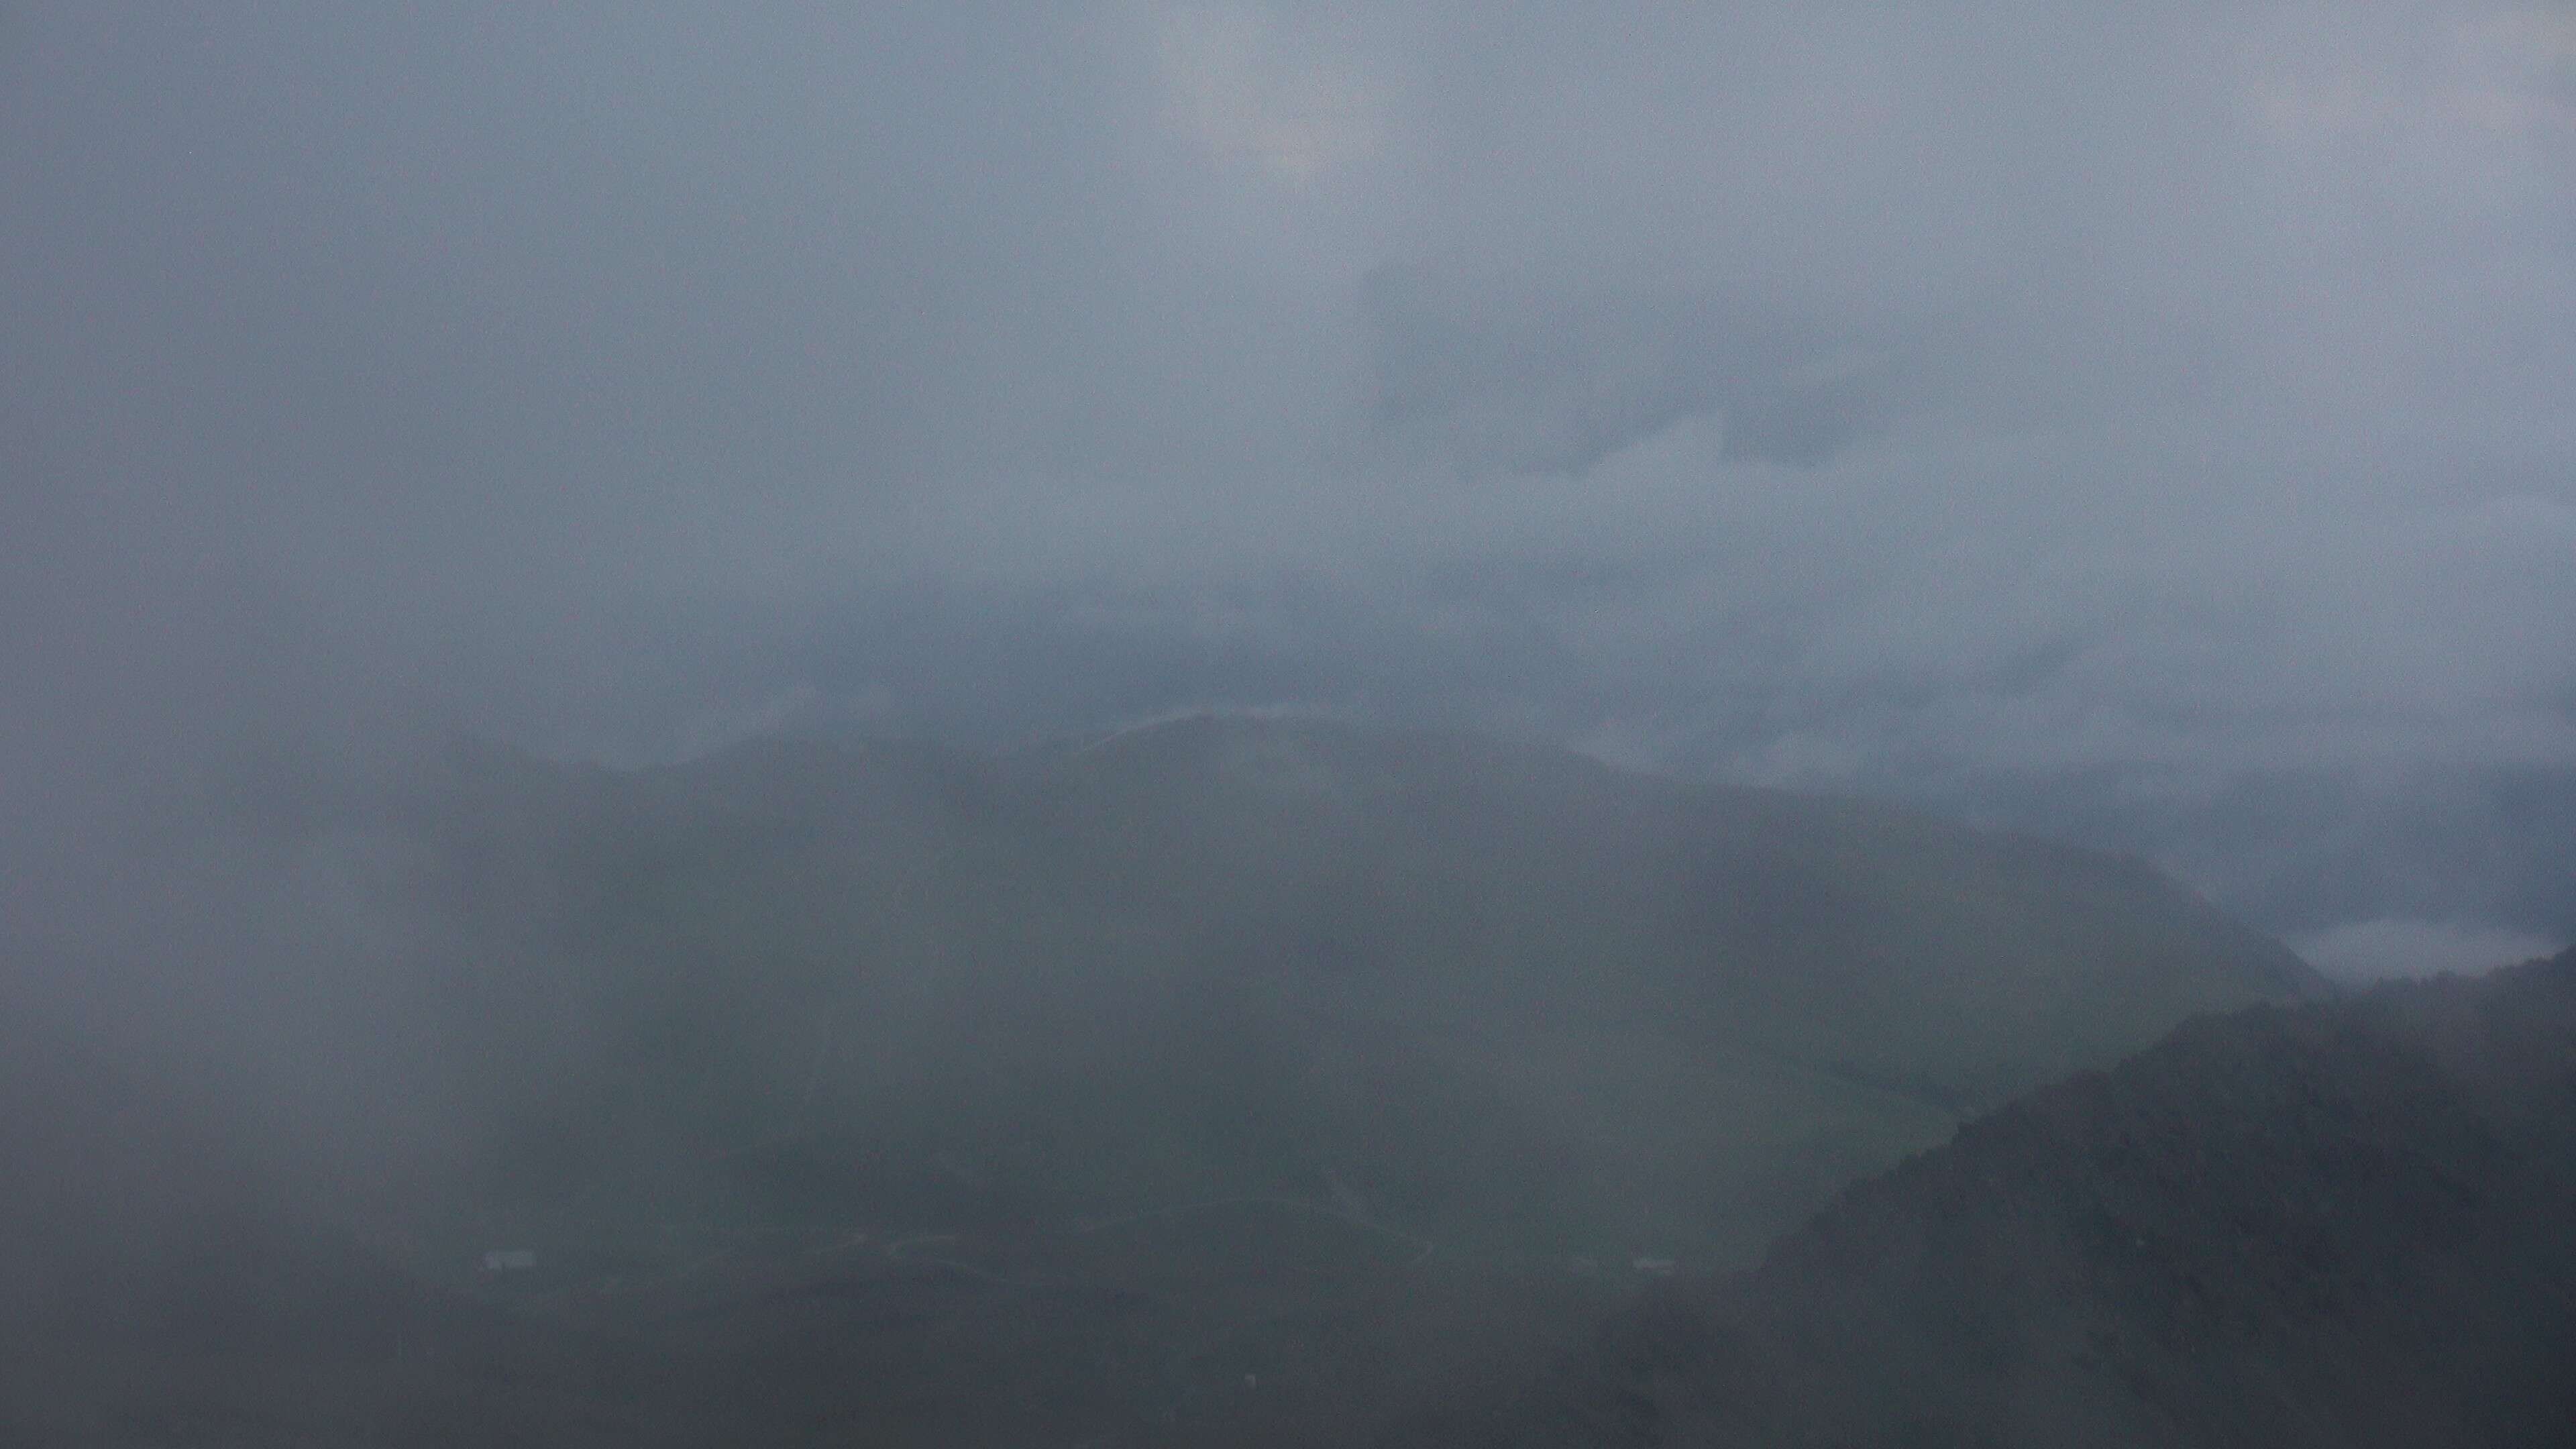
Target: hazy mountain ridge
x,y
1500,995
2333,1224
1256,1083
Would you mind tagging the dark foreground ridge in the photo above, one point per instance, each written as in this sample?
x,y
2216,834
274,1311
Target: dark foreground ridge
x,y
2341,1224
1224,1082
2350,1223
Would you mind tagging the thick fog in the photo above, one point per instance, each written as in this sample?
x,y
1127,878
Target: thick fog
x,y
2142,423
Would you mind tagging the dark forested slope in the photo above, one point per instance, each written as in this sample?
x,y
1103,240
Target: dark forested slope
x,y
2342,1224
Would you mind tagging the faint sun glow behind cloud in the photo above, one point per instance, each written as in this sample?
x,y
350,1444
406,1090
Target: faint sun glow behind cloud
x,y
1252,90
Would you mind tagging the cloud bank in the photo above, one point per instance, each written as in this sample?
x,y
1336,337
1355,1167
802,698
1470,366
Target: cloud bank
x,y
1820,394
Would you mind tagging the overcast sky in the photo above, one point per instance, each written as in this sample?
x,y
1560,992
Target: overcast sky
x,y
1814,393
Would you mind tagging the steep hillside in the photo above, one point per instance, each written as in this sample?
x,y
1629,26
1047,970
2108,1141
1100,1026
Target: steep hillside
x,y
1501,1000
2343,1224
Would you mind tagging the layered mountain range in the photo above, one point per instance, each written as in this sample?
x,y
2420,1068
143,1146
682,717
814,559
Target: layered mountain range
x,y
1246,1082
1503,999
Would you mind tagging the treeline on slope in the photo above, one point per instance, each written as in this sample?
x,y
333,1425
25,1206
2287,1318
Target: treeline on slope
x,y
2333,1224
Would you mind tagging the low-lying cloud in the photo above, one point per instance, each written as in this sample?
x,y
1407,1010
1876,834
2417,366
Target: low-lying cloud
x,y
2367,951
1818,394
